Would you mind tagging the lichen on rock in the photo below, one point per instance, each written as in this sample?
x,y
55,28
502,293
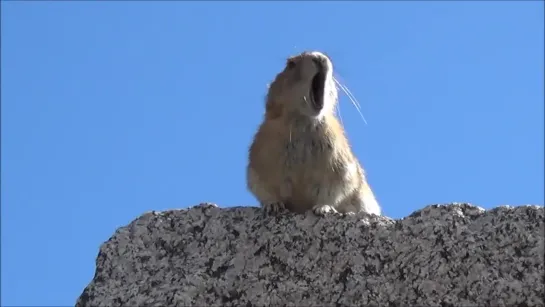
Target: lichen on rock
x,y
448,255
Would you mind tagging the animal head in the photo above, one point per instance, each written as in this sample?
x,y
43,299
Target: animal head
x,y
305,87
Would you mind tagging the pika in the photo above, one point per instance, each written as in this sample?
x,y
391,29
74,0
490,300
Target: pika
x,y
300,158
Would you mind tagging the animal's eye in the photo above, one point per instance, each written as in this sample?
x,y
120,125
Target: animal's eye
x,y
291,64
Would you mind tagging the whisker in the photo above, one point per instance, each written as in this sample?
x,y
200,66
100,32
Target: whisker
x,y
351,97
290,134
338,108
306,101
339,112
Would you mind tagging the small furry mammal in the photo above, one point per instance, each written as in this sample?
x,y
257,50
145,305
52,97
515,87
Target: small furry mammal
x,y
300,158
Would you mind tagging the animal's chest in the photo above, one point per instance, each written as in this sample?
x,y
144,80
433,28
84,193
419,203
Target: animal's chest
x,y
308,151
313,170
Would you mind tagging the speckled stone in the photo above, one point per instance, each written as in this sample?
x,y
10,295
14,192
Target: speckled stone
x,y
442,255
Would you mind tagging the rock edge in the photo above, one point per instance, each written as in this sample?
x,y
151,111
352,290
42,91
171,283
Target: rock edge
x,y
442,255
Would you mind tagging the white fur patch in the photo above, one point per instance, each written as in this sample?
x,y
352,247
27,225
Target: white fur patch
x,y
370,204
323,210
351,171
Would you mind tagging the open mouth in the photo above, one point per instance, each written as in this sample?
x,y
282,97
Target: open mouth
x,y
317,91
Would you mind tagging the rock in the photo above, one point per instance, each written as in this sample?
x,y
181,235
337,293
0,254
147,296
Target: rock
x,y
442,255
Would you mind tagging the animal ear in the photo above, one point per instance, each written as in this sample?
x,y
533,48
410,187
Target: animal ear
x,y
273,109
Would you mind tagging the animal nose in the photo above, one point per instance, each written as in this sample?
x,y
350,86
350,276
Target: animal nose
x,y
320,61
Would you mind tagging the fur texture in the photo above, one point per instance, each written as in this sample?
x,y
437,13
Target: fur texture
x,y
300,158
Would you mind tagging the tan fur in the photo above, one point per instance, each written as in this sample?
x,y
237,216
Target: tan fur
x,y
300,158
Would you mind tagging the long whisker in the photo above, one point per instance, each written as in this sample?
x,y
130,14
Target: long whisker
x,y
351,97
290,134
339,112
338,108
306,101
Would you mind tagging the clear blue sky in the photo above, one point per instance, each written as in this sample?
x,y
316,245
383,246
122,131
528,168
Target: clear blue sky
x,y
113,109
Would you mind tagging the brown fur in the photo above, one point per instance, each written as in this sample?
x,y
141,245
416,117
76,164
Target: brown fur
x,y
300,160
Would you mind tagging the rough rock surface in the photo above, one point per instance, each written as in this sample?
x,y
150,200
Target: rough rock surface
x,y
442,255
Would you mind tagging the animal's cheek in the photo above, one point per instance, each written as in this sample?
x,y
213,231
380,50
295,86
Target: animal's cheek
x,y
297,76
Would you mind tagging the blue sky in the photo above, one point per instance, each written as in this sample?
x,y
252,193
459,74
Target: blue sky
x,y
113,109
